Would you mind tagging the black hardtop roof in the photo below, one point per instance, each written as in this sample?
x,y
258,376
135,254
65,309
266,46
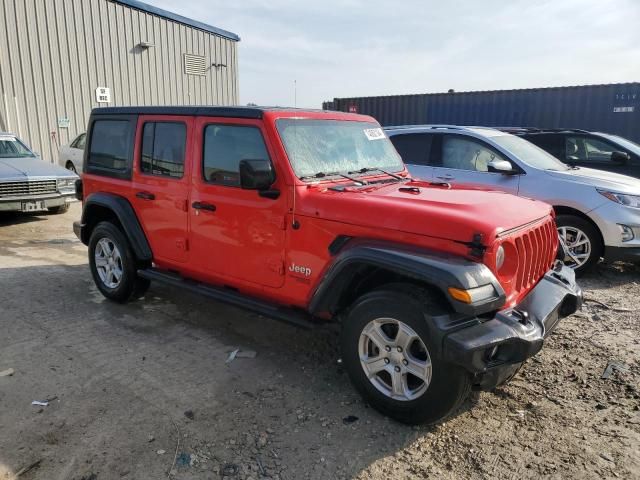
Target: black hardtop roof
x,y
193,110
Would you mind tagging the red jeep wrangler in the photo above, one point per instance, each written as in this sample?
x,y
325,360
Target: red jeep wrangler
x,y
311,216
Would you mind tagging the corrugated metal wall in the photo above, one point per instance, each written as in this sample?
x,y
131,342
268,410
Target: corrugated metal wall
x,y
609,108
55,53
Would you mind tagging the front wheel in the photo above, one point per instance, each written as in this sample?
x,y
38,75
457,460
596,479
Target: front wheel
x,y
393,360
582,242
113,264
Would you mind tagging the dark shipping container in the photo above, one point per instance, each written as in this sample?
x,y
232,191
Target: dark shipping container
x,y
613,108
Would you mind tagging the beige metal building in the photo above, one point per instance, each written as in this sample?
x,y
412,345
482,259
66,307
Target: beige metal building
x,y
61,58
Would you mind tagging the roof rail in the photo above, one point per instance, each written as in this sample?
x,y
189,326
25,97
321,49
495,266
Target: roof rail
x,y
523,130
433,126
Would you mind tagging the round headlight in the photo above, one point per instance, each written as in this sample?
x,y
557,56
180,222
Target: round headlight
x,y
499,257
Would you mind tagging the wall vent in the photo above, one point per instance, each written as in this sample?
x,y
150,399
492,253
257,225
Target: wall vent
x,y
195,64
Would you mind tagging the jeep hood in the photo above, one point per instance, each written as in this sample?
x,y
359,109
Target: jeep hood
x,y
599,179
455,214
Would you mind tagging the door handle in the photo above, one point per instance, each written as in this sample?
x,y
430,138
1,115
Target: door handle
x,y
204,206
146,195
446,176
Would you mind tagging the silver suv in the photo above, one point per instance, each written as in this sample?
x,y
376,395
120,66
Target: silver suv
x,y
598,213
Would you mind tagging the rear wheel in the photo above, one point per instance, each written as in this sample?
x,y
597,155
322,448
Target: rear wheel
x,y
582,241
393,360
113,264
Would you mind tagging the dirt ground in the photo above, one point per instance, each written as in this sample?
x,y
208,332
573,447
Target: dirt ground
x,y
143,391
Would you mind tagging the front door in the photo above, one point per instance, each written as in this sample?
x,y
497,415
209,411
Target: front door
x,y
161,183
592,152
463,161
236,234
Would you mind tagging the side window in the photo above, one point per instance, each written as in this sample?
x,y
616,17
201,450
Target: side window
x,y
465,154
585,149
225,146
598,150
414,148
110,145
554,144
80,141
163,147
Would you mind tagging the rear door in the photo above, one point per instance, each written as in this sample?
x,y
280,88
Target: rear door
x,y
415,150
463,161
161,183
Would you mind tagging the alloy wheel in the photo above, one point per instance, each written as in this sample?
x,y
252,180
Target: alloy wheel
x,y
577,246
108,262
394,359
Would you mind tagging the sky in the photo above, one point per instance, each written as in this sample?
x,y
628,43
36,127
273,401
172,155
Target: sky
x,y
351,48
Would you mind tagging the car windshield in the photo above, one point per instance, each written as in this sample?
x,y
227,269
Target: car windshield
x,y
11,147
529,153
324,147
623,142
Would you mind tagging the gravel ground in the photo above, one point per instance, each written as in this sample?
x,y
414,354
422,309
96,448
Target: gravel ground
x,y
144,391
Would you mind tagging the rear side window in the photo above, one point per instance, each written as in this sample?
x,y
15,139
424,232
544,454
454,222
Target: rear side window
x,y
163,147
79,141
414,148
110,148
554,144
225,146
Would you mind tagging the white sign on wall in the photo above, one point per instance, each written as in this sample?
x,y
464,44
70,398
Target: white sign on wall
x,y
64,122
103,95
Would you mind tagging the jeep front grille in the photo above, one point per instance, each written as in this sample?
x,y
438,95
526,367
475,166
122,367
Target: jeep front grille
x,y
536,253
28,188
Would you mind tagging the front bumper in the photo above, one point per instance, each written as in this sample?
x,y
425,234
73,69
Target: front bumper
x,y
608,217
49,201
493,350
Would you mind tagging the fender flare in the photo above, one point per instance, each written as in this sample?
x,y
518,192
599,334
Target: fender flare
x,y
127,217
437,269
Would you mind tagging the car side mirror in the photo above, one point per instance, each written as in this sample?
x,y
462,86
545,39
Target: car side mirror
x,y
621,158
501,166
256,175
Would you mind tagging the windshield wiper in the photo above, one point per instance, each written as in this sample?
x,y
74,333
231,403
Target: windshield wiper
x,y
376,169
334,174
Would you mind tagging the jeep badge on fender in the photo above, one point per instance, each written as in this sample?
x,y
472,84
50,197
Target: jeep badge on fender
x,y
439,290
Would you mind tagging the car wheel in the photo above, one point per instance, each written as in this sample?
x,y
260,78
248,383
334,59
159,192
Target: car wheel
x,y
394,361
113,264
59,210
582,242
71,166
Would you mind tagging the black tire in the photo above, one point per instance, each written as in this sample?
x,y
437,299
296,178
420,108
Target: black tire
x,y
130,286
449,386
59,210
597,247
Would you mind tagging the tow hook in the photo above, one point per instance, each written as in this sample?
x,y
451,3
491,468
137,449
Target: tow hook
x,y
521,316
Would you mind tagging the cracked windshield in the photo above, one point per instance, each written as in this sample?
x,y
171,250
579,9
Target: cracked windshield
x,y
318,148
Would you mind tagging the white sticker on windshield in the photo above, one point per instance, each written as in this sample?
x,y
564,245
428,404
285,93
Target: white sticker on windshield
x,y
4,138
374,133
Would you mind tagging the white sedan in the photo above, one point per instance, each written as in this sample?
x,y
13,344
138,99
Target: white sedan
x,y
71,155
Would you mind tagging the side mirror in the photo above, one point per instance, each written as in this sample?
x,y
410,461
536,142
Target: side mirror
x,y
256,174
621,158
501,166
